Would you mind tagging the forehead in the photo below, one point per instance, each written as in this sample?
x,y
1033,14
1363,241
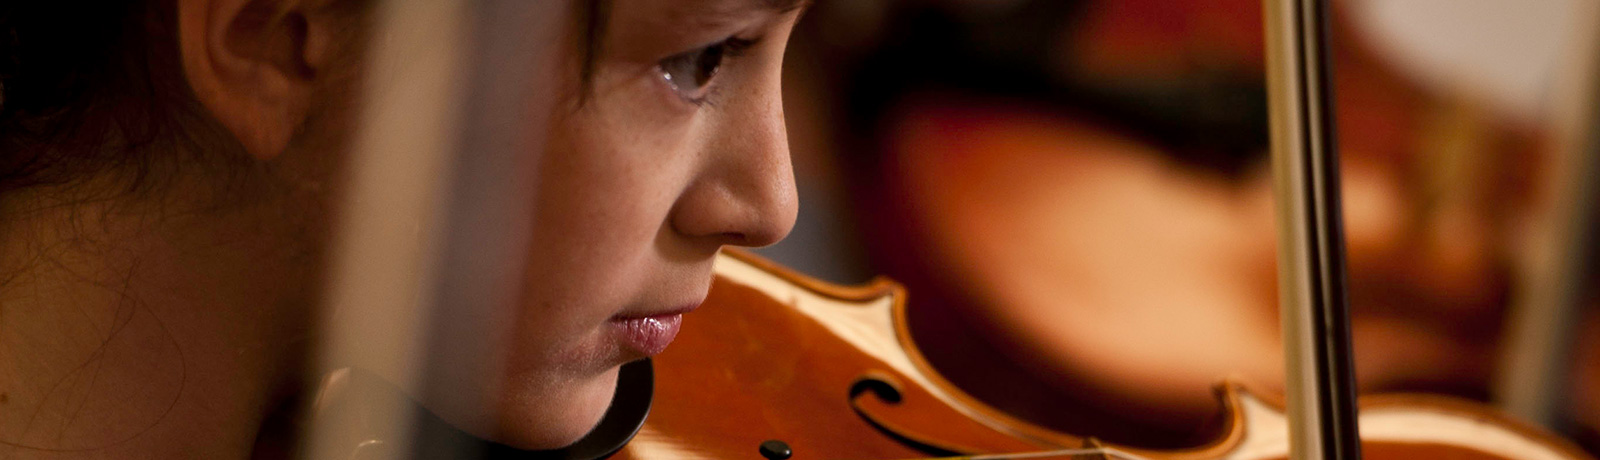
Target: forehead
x,y
731,6
702,12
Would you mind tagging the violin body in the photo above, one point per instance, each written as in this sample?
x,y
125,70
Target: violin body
x,y
833,372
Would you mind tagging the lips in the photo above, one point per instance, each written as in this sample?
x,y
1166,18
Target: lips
x,y
648,334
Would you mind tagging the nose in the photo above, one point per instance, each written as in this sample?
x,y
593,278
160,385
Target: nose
x,y
744,192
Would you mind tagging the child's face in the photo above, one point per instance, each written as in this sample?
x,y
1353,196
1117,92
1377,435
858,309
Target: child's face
x,y
678,149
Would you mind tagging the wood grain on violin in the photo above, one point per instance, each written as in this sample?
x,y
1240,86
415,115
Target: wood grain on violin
x,y
832,372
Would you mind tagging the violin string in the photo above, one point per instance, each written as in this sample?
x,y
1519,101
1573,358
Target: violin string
x,y
1104,451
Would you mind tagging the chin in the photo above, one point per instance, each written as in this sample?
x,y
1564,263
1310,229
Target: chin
x,y
555,415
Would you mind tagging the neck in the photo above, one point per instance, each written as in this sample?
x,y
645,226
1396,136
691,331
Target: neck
x,y
146,329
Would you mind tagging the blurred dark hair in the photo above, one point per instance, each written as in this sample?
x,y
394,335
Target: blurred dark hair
x,y
86,86
593,16
92,85
1211,119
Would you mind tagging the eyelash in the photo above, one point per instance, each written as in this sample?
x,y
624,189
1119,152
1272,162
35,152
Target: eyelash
x,y
722,52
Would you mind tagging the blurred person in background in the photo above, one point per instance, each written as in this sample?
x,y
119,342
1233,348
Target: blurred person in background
x,y
1082,187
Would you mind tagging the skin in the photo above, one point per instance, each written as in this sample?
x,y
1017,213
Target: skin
x,y
1079,297
694,178
175,323
1143,283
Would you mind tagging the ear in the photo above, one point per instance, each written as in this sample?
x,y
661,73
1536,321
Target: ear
x,y
254,64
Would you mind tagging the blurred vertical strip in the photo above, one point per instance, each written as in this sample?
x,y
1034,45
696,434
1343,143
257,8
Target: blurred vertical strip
x,y
1536,360
385,247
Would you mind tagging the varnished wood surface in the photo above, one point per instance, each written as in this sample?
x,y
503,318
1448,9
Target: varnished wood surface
x,y
773,355
747,369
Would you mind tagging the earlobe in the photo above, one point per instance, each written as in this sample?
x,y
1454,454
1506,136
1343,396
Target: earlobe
x,y
254,65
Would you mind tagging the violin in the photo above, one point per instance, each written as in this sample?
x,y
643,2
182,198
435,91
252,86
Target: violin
x,y
778,362
786,366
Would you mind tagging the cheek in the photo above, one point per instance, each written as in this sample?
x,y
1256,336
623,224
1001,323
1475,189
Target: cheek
x,y
606,190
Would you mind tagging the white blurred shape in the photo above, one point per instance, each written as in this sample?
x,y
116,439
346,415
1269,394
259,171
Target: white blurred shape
x,y
1502,52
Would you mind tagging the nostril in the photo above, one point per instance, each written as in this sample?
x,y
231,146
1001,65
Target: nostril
x,y
735,239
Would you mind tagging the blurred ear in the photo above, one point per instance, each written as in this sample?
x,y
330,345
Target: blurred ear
x,y
254,64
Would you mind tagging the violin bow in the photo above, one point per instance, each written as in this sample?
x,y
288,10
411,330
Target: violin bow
x,y
1320,377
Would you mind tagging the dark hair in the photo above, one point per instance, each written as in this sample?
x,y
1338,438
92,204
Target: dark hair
x,y
592,19
1212,118
85,86
93,85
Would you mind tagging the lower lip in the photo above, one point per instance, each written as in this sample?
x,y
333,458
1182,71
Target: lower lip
x,y
649,335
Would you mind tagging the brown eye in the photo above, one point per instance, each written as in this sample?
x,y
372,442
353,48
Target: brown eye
x,y
689,74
